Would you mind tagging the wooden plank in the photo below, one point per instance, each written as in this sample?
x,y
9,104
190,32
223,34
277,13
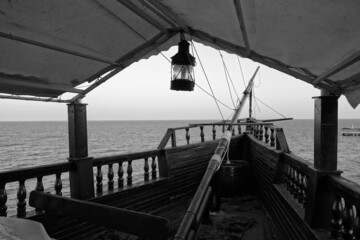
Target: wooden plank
x,y
281,140
136,223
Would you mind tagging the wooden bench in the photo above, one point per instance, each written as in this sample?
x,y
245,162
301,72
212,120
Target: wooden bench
x,y
127,221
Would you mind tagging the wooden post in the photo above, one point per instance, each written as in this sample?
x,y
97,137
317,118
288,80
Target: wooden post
x,y
81,178
325,133
321,198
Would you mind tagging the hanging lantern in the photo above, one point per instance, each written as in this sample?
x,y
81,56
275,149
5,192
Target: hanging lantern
x,y
182,72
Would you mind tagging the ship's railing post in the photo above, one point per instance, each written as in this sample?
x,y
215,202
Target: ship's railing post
x,y
325,160
81,179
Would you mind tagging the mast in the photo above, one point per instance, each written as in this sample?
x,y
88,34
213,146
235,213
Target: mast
x,y
246,94
213,166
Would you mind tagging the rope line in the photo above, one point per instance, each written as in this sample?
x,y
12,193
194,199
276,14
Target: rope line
x,y
214,97
242,74
208,81
270,107
232,83
227,80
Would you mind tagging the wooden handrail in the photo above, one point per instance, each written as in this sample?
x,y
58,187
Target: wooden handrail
x,y
347,189
99,161
33,172
140,224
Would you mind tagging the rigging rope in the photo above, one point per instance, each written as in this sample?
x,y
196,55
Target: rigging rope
x,y
270,107
227,72
227,80
242,74
213,95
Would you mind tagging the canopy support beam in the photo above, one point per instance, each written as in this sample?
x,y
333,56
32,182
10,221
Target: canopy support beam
x,y
38,99
170,15
337,68
157,13
55,48
125,61
24,82
243,52
132,7
241,20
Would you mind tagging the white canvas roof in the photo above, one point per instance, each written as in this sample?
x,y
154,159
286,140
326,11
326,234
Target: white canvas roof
x,y
49,47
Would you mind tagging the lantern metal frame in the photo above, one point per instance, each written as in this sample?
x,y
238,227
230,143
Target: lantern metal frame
x,y
182,71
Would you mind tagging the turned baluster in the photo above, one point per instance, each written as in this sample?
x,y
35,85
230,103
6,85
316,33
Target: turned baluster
x,y
153,168
129,173
39,184
99,178
336,221
348,221
266,134
288,173
214,132
110,177
239,127
357,225
40,188
261,131
301,188
233,131
256,131
296,183
202,135
120,175
292,182
146,169
286,176
58,184
223,128
3,200
305,186
187,136
272,137
21,196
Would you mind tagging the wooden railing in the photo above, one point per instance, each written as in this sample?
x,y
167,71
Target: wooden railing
x,y
272,135
152,163
301,180
201,129
26,174
146,162
345,222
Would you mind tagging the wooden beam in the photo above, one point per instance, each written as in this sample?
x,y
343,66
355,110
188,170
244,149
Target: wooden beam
x,y
38,99
241,20
132,7
139,224
55,48
26,82
243,52
159,14
170,15
125,61
219,42
338,67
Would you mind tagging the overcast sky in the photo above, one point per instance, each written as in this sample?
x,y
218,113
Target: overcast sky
x,y
142,92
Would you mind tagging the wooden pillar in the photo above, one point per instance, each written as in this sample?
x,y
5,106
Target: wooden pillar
x,y
326,133
81,178
321,198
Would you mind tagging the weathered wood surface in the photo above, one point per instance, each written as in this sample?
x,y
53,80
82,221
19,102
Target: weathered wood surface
x,y
346,189
132,222
99,161
264,161
33,172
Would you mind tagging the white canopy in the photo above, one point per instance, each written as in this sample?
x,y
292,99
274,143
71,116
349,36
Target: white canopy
x,y
49,47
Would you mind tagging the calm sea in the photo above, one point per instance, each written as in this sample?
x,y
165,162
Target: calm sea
x,y
28,144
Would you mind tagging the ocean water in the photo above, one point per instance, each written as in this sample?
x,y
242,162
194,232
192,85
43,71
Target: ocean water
x,y
29,144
